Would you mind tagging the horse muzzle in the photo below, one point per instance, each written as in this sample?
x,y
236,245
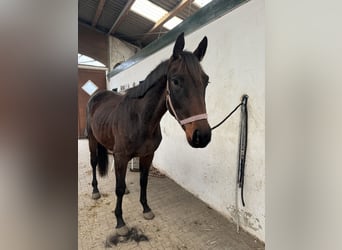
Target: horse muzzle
x,y
198,134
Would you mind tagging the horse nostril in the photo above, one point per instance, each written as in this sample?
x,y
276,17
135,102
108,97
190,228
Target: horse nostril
x,y
196,137
200,138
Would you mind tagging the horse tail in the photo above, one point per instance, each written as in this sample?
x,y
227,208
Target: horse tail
x,y
102,156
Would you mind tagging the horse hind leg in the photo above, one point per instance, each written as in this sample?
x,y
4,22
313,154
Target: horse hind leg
x,y
96,193
93,161
145,163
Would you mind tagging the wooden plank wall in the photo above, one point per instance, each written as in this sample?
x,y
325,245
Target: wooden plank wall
x,y
97,76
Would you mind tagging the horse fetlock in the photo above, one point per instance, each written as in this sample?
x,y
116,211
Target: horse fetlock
x,y
94,184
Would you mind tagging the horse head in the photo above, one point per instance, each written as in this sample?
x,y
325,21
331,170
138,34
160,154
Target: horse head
x,y
186,85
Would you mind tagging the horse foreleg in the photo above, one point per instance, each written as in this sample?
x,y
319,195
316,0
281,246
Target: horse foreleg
x,y
144,164
120,174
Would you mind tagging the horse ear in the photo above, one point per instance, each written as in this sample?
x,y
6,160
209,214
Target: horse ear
x,y
179,45
201,49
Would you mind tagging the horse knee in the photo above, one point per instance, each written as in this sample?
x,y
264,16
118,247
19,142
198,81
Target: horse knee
x,y
120,191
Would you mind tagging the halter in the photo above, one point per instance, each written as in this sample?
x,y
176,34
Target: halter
x,y
190,119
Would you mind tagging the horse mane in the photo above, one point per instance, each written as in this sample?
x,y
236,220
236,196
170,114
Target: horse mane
x,y
151,79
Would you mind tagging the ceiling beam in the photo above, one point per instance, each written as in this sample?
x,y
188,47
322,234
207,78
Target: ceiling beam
x,y
168,16
91,27
121,17
98,12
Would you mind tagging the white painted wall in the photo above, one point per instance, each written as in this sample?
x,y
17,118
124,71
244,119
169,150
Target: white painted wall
x,y
235,62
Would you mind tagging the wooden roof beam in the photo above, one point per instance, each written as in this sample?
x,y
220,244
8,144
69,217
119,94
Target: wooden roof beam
x,y
169,15
98,12
121,17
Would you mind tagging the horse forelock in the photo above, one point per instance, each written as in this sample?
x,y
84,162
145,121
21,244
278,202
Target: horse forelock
x,y
190,63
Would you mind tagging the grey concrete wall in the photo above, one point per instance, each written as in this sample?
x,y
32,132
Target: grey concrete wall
x,y
120,51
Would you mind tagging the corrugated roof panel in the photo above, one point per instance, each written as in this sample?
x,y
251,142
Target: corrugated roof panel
x,y
135,26
87,10
148,10
110,13
173,22
166,4
156,35
170,5
188,11
202,3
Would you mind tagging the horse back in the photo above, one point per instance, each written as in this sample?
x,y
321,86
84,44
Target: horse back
x,y
102,97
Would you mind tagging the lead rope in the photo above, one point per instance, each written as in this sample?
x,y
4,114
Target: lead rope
x,y
220,123
242,153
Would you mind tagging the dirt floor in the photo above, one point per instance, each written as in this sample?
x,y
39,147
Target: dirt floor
x,y
181,220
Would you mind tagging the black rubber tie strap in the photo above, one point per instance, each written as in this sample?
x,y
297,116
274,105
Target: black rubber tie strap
x,y
243,145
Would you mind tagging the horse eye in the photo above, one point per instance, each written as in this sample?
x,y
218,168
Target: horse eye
x,y
175,82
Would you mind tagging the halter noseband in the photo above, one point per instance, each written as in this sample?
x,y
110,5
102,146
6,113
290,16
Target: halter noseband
x,y
190,119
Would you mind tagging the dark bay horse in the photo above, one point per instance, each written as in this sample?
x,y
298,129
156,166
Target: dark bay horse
x,y
129,125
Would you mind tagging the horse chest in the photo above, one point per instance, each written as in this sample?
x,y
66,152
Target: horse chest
x,y
148,146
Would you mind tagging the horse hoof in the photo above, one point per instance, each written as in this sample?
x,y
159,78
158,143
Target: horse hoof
x,y
126,191
122,231
148,215
96,196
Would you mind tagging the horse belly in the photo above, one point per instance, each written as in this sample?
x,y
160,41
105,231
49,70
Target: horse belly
x,y
102,132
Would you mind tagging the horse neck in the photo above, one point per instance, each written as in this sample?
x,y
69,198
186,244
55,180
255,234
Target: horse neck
x,y
155,106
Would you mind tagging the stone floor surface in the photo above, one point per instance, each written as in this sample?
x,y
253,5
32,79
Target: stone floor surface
x,y
181,221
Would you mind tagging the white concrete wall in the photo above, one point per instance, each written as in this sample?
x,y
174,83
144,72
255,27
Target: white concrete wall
x,y
235,62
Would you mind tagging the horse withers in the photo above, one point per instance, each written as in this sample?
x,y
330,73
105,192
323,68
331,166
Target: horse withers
x,y
129,125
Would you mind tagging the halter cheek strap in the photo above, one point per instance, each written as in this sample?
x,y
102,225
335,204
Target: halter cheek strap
x,y
190,119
